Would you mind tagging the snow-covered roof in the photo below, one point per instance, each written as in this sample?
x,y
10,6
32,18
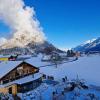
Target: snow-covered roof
x,y
24,79
46,57
24,56
6,67
5,56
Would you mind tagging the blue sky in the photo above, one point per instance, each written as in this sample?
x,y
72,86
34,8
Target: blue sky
x,y
66,23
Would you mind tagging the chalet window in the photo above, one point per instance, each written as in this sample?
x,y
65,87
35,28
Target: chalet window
x,y
27,71
16,74
30,71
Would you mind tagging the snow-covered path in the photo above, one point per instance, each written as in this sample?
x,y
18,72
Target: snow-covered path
x,y
87,68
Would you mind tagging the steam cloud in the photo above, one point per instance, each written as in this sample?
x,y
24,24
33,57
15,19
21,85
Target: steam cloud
x,y
22,21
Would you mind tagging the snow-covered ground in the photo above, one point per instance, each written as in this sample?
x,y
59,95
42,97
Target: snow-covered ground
x,y
87,68
45,92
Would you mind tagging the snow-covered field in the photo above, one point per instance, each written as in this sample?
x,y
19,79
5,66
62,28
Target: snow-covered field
x,y
87,68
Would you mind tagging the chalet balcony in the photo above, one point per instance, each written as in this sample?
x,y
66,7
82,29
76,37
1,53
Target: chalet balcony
x,y
17,77
23,80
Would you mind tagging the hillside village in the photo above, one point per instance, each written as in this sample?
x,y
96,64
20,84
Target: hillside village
x,y
22,76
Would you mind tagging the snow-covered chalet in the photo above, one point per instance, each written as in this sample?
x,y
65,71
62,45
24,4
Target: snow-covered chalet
x,y
18,77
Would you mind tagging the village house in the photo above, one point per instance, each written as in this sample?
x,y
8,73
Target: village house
x,y
8,57
77,54
4,58
18,77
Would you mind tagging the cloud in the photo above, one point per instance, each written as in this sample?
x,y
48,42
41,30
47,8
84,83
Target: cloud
x,y
2,41
22,21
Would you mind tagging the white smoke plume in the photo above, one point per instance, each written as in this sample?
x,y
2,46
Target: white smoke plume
x,y
2,41
22,21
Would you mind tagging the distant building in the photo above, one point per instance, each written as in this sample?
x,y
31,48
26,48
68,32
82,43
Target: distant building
x,y
18,77
8,58
77,54
46,58
4,58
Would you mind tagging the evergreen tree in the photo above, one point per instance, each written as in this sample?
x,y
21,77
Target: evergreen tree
x,y
68,53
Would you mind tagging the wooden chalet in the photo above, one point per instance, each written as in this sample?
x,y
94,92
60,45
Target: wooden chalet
x,y
18,77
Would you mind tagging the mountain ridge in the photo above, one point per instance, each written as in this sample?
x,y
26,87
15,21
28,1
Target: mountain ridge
x,y
30,48
90,46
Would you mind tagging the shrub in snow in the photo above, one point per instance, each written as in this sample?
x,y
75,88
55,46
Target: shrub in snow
x,y
92,96
80,83
50,77
6,96
44,76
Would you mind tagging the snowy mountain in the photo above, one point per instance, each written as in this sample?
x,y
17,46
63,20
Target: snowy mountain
x,y
24,46
89,46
